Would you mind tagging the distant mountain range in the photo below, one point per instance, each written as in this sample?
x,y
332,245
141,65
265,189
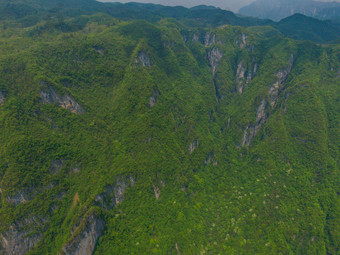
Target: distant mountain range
x,y
279,9
27,13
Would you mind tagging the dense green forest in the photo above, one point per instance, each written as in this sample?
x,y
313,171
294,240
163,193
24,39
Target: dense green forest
x,y
128,131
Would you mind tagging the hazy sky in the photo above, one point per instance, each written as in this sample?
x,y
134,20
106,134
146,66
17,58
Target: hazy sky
x,y
233,5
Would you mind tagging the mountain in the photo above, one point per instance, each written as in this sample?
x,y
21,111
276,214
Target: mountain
x,y
28,13
300,27
279,9
166,136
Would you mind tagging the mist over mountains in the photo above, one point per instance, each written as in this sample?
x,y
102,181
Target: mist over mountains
x,y
279,9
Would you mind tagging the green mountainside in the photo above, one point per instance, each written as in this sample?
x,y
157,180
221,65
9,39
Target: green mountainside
x,y
165,136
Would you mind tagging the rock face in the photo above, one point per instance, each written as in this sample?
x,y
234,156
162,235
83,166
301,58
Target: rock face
x,y
154,98
20,197
157,191
2,98
193,146
114,194
274,92
195,38
282,76
56,166
157,188
209,39
244,76
184,38
98,49
242,40
211,158
142,59
251,131
19,238
49,96
85,242
214,56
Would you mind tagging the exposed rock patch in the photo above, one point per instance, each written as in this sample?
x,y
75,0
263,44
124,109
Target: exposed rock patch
x,y
2,98
178,252
184,38
157,188
98,49
274,92
242,40
85,241
193,146
119,190
142,59
277,87
20,197
195,38
19,239
214,56
27,194
157,191
211,158
49,96
114,194
251,131
244,76
76,170
209,39
56,166
154,98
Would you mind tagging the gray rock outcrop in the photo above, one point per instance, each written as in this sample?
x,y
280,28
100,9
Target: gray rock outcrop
x,y
48,96
56,166
142,59
282,76
251,131
2,98
193,146
98,49
19,237
195,38
209,39
154,97
244,76
242,40
85,241
157,188
20,197
214,56
114,194
274,92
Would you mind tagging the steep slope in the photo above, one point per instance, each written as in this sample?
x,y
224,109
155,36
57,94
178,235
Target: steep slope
x,y
138,138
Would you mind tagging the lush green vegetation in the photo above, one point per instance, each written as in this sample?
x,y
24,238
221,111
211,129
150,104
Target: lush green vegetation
x,y
160,117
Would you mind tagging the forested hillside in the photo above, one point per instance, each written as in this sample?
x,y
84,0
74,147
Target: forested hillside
x,y
165,136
